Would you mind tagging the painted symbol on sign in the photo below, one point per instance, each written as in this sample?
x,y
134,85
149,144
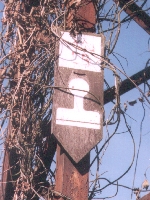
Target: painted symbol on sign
x,y
78,116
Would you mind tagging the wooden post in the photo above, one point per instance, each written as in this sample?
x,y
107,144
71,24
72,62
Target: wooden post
x,y
146,197
72,179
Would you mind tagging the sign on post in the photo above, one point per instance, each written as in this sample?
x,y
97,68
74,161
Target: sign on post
x,y
77,120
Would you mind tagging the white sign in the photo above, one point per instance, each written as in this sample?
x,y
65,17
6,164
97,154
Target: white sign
x,y
78,56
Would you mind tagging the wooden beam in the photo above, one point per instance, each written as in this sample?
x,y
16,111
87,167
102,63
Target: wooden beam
x,y
127,85
83,15
86,16
10,168
138,15
146,197
72,179
5,177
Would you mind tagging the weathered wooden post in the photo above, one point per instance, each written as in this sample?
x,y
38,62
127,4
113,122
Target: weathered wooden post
x,y
146,197
77,106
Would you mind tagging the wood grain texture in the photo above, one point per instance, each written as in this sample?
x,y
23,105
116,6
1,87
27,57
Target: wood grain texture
x,y
77,141
146,197
72,179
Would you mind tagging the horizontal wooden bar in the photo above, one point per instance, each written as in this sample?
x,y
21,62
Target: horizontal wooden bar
x,y
146,197
127,85
138,15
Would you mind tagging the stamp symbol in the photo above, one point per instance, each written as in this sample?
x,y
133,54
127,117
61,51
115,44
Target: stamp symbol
x,y
78,116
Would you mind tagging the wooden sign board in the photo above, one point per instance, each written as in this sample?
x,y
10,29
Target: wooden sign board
x,y
77,120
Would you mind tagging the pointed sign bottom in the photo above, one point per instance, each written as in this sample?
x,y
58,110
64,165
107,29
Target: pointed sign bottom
x,y
77,141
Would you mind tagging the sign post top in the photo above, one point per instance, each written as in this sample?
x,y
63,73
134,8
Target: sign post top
x,y
81,52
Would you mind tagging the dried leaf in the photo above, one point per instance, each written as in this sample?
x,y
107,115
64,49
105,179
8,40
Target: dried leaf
x,y
148,94
131,103
125,107
145,184
141,99
2,71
